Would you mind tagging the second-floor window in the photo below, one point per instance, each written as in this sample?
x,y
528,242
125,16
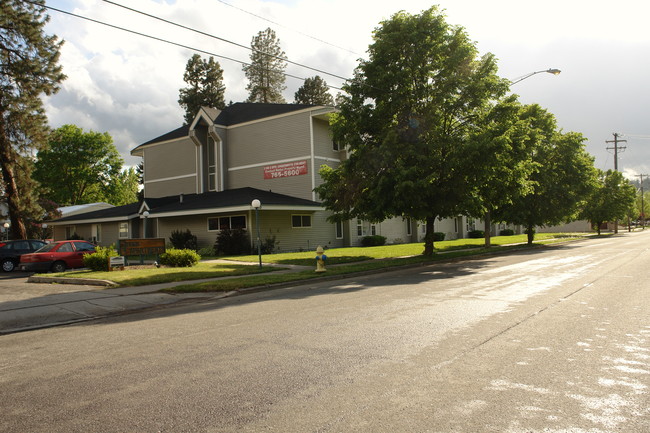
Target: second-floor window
x,y
212,165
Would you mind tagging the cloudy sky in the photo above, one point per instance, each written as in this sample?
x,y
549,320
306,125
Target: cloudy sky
x,y
127,84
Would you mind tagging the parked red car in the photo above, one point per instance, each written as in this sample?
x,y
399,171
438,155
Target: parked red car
x,y
56,257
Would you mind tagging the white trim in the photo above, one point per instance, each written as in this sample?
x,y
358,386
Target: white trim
x,y
141,148
328,159
277,116
93,221
312,159
236,209
165,179
262,164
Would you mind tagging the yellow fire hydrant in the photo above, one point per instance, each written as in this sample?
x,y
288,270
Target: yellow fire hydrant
x,y
320,259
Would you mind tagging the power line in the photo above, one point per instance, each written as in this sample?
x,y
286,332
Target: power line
x,y
167,41
289,28
225,40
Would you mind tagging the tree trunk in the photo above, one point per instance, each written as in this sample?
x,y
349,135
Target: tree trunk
x,y
10,188
531,234
428,237
488,222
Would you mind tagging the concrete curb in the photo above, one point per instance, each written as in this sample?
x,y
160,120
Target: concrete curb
x,y
64,280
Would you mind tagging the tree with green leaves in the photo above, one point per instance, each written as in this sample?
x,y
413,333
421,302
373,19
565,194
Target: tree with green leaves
x,y
79,167
314,92
265,73
498,153
565,175
406,120
613,198
28,69
205,86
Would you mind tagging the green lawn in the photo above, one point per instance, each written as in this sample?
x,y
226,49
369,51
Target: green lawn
x,y
140,277
356,254
367,260
340,261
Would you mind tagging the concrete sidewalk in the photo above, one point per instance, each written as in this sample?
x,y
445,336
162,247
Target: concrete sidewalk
x,y
96,299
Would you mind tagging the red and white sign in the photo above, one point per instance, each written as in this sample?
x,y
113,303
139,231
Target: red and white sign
x,y
287,169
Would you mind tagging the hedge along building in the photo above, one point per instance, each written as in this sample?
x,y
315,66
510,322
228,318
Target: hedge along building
x,y
204,176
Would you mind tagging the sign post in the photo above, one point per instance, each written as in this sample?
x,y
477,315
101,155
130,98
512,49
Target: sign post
x,y
142,247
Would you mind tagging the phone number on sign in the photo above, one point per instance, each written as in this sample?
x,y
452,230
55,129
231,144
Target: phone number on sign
x,y
286,173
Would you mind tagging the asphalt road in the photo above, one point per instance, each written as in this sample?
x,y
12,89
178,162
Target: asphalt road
x,y
549,340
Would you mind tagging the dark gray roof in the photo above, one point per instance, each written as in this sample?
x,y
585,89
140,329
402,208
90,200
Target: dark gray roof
x,y
234,114
111,212
195,202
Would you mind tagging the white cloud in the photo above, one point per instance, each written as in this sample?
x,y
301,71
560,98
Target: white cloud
x,y
128,85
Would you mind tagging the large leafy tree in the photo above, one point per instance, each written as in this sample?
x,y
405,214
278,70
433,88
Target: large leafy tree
x,y
314,91
499,156
406,121
79,167
265,73
28,69
565,175
205,86
613,198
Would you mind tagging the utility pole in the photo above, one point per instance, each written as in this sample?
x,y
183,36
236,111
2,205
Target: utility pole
x,y
642,204
616,148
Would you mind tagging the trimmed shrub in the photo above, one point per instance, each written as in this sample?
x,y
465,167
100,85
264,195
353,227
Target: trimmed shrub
x,y
176,258
476,234
269,245
438,236
183,240
507,232
373,241
98,261
207,252
232,242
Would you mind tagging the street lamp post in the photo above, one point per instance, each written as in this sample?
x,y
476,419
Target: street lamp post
x,y
145,214
523,77
256,204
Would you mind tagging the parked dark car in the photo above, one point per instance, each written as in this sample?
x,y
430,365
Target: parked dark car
x,y
57,256
10,251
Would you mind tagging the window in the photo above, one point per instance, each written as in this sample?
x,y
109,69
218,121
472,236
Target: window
x,y
124,230
65,248
339,229
360,229
212,165
373,229
300,221
409,231
83,246
227,222
335,146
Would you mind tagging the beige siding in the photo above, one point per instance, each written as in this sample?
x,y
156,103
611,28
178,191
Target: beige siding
x,y
296,186
185,185
175,161
278,224
272,140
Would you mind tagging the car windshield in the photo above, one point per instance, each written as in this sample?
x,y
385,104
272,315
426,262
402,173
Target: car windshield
x,y
46,248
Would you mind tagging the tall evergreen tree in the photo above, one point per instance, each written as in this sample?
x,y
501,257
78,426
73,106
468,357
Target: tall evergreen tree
x,y
266,72
315,92
28,69
205,86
